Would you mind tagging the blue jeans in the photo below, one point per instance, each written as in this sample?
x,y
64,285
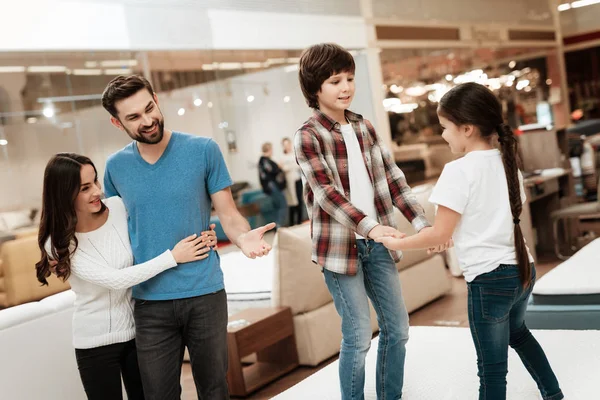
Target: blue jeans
x,y
497,303
376,279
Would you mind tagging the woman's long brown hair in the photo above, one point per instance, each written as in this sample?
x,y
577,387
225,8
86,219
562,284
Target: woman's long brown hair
x,y
62,182
474,104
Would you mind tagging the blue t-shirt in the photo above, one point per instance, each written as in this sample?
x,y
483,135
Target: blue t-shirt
x,y
166,202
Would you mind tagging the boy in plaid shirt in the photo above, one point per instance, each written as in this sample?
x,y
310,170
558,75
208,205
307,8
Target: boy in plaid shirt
x,y
351,185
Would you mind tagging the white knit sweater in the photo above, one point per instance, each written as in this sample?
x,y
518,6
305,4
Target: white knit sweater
x,y
102,276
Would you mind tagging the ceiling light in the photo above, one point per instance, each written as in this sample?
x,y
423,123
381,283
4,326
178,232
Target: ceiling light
x,y
276,60
250,99
181,111
48,111
564,7
46,68
396,89
12,69
522,84
228,66
252,65
118,63
286,99
197,102
118,71
87,72
3,142
583,3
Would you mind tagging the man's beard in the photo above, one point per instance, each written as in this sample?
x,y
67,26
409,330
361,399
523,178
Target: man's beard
x,y
154,139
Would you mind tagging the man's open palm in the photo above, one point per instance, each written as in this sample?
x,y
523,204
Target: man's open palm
x,y
252,243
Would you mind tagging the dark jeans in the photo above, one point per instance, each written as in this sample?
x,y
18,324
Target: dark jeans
x,y
279,204
296,212
497,304
101,369
164,328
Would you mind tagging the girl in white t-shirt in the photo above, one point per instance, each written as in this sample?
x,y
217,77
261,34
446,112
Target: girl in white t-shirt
x,y
480,198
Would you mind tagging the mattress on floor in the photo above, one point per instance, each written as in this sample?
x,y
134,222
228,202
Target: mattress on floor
x,y
248,282
544,316
441,365
574,282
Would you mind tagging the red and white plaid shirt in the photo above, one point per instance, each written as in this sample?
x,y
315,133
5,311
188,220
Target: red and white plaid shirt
x,y
322,156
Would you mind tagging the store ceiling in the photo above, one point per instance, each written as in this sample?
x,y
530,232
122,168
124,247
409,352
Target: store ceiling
x,y
408,65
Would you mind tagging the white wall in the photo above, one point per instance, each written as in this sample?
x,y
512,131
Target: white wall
x,y
176,24
580,20
267,118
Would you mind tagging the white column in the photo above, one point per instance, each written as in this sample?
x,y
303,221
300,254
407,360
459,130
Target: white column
x,y
382,123
565,104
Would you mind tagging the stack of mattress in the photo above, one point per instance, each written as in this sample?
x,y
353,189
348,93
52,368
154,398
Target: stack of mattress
x,y
248,282
441,364
568,297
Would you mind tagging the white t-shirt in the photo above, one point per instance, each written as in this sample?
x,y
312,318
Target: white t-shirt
x,y
475,186
362,195
102,274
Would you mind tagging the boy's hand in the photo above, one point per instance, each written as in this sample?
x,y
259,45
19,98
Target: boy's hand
x,y
390,242
385,231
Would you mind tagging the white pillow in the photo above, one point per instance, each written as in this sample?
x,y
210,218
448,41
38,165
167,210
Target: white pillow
x,y
3,227
16,219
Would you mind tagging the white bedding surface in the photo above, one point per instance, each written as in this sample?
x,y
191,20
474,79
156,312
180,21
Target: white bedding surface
x,y
247,279
441,365
580,274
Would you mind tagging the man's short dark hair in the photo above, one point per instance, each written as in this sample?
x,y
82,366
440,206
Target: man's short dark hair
x,y
317,64
121,88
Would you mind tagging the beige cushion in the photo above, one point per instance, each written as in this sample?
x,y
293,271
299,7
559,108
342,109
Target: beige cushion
x,y
412,257
318,335
424,282
294,272
15,219
18,262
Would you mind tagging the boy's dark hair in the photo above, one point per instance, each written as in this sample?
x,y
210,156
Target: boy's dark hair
x,y
317,64
474,104
121,88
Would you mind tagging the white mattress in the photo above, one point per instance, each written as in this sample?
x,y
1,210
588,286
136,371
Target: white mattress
x,y
580,274
441,365
248,282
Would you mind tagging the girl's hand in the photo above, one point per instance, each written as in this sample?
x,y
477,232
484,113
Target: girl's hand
x,y
192,248
441,247
390,242
210,237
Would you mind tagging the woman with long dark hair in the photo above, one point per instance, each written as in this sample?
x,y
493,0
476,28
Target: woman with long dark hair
x,y
84,239
480,198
